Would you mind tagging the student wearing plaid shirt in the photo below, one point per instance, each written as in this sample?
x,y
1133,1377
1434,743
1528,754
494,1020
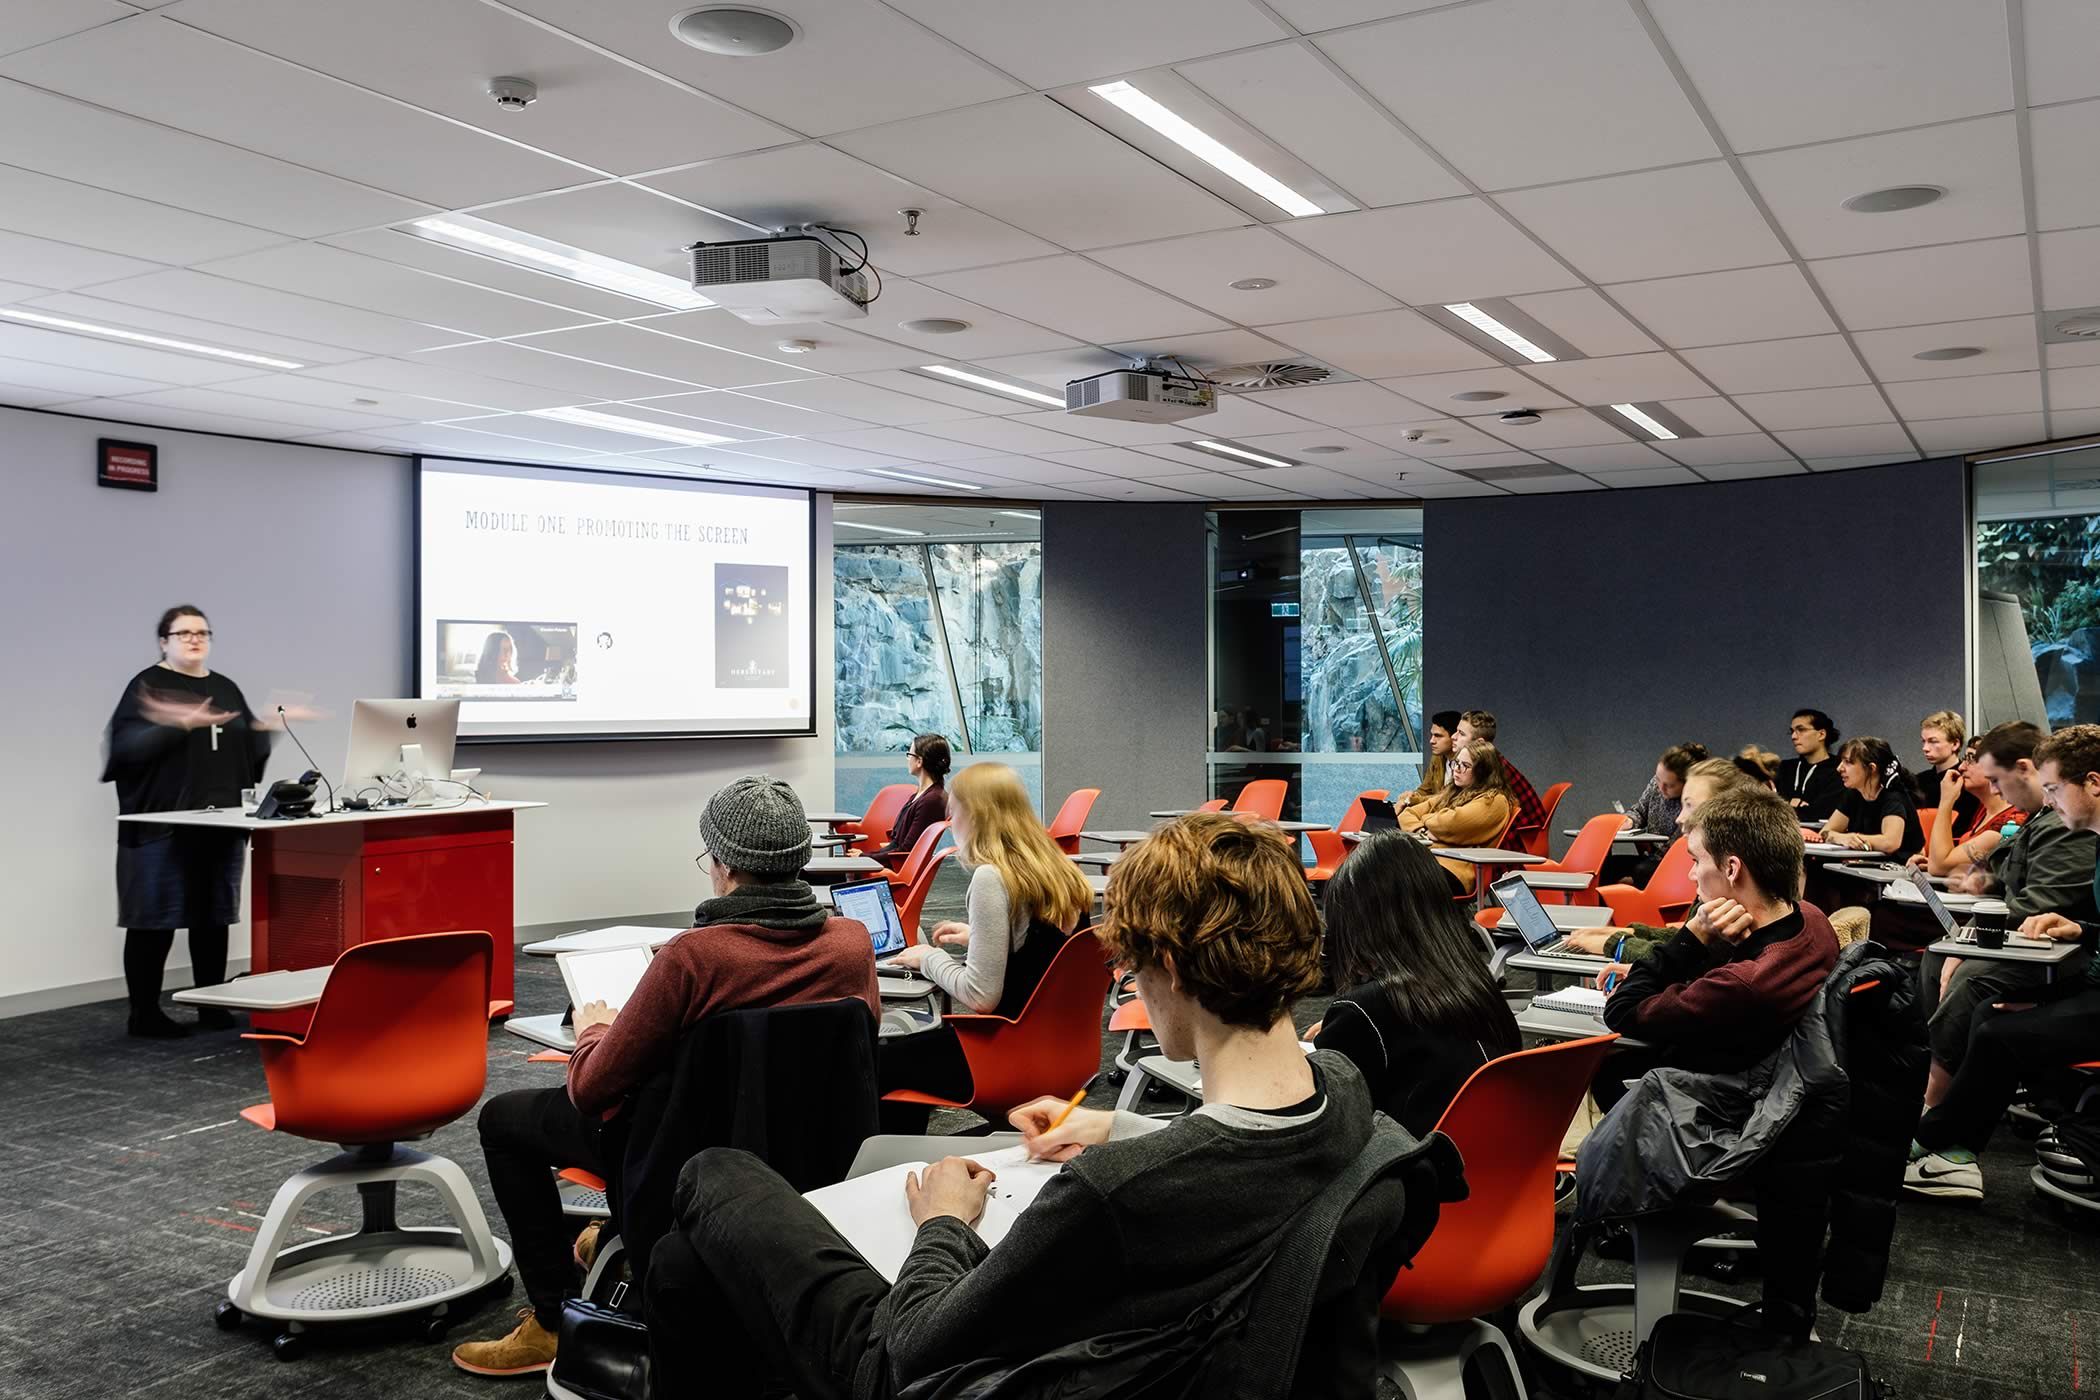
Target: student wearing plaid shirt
x,y
1531,813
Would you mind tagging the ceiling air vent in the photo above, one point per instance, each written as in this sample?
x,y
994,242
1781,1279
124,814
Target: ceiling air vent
x,y
2076,324
1527,471
1274,374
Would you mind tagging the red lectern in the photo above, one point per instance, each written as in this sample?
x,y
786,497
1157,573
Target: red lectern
x,y
320,885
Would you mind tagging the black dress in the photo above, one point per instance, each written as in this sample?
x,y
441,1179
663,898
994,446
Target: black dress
x,y
170,876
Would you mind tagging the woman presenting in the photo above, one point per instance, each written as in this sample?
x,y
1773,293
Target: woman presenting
x,y
182,737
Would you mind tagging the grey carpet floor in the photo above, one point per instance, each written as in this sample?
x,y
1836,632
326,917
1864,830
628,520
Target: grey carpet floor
x,y
138,1189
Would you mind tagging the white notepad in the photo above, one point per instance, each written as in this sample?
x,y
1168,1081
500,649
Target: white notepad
x,y
1581,1000
870,1211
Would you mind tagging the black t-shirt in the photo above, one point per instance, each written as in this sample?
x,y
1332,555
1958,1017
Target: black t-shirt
x,y
1866,817
1816,784
161,769
1925,784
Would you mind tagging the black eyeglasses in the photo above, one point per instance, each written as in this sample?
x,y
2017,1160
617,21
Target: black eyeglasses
x,y
189,636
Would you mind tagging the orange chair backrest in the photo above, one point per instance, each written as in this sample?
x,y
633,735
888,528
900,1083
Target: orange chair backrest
x,y
1927,818
398,1045
1671,884
1263,797
1588,851
1507,1122
1538,840
1353,819
1053,1046
921,852
1329,851
875,823
1216,804
1070,818
913,901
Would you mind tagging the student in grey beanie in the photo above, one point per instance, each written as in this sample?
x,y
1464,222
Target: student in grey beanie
x,y
756,826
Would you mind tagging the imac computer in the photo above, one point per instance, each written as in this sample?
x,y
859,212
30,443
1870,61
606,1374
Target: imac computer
x,y
399,747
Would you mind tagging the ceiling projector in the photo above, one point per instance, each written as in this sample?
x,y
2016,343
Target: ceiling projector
x,y
780,281
1148,395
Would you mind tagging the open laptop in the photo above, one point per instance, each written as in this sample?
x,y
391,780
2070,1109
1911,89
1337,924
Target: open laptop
x,y
1379,815
1545,927
1945,916
873,904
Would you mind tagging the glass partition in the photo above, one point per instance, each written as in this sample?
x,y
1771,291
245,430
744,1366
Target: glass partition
x,y
2038,580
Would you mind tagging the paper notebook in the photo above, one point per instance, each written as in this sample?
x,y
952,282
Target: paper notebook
x,y
1581,1000
870,1211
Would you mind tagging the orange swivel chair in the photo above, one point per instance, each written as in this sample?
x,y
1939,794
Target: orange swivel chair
x,y
1263,798
1329,849
1538,840
1585,856
1667,895
1065,826
872,831
1052,1047
915,859
397,1048
1488,1249
912,902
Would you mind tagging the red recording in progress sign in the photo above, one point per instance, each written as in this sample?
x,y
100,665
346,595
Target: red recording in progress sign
x,y
129,466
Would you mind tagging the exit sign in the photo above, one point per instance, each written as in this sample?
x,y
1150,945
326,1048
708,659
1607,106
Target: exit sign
x,y
1283,610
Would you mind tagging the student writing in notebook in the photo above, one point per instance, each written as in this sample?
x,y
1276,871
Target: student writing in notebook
x,y
1146,1223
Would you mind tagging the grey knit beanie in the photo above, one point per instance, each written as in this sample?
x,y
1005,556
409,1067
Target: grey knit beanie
x,y
757,826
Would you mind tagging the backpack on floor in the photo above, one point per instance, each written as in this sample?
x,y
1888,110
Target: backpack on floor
x,y
1691,1357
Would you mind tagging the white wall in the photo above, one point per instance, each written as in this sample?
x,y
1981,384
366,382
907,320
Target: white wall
x,y
302,558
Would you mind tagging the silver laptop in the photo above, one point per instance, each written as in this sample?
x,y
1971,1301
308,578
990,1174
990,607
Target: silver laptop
x,y
872,904
1544,927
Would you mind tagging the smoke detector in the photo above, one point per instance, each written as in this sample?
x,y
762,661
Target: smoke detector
x,y
514,94
1519,418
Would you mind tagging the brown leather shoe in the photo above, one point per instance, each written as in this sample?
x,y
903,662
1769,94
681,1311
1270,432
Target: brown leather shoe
x,y
528,1348
586,1251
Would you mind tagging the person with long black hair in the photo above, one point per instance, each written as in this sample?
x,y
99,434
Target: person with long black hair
x,y
1415,1009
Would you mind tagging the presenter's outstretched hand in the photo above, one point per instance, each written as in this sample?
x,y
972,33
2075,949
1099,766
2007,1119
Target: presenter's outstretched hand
x,y
953,1186
296,714
1082,1128
159,707
593,1013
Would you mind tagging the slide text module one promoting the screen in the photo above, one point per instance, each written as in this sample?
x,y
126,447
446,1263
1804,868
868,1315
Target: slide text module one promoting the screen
x,y
567,604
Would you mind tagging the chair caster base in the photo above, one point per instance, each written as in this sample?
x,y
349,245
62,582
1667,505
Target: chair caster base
x,y
288,1346
227,1316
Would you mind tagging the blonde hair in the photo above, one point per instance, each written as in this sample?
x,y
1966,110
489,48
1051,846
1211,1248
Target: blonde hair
x,y
1725,774
1005,833
1949,724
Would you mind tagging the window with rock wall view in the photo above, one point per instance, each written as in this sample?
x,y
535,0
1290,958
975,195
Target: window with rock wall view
x,y
2038,587
1316,654
938,614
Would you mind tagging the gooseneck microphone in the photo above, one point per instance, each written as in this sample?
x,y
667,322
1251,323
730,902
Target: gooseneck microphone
x,y
315,768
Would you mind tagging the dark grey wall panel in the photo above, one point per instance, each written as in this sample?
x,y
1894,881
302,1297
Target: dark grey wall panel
x,y
1125,686
1602,627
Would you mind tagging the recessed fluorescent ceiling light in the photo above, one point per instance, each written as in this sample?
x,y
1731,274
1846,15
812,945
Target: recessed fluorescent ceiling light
x,y
880,529
1259,458
188,347
1473,316
1023,514
923,480
1206,148
634,427
1641,420
997,386
545,255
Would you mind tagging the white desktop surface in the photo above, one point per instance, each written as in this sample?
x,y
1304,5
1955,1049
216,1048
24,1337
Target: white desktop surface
x,y
1485,855
543,1030
1116,837
1577,965
233,819
264,991
1903,892
2050,956
1568,881
613,936
832,818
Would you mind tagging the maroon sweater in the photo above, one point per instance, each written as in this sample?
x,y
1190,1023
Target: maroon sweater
x,y
1726,1008
723,967
922,811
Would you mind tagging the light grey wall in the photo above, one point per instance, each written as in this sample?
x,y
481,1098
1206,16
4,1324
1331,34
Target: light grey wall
x,y
1125,689
1603,627
301,556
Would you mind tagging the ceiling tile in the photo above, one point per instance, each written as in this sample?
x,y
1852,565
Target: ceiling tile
x,y
839,350
1715,417
456,441
1076,40
2077,424
591,108
1433,392
1495,87
52,264
1110,432
1317,483
1867,65
620,221
331,274
813,183
942,398
849,398
1745,471
749,417
1969,397
842,71
1976,162
1869,459
1704,452
1078,185
573,435
1453,250
164,416
1722,308
1846,442
1382,344
1343,405
2068,388
114,223
1692,218
1549,486
1813,362
1215,350
180,77
267,309
86,306
2007,342
1247,415
19,291
1654,476
1556,429
1586,321
1978,434
26,23
438,381
1118,461
632,347
1622,379
2067,354
1356,452
1314,15
1462,438
2065,193
585,381
1219,486
905,445
1202,268
58,136
1816,408
1053,369
1291,96
2070,269
2062,36
1140,491
280,413
349,398
394,246
1958,282
990,332
1077,297
71,381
